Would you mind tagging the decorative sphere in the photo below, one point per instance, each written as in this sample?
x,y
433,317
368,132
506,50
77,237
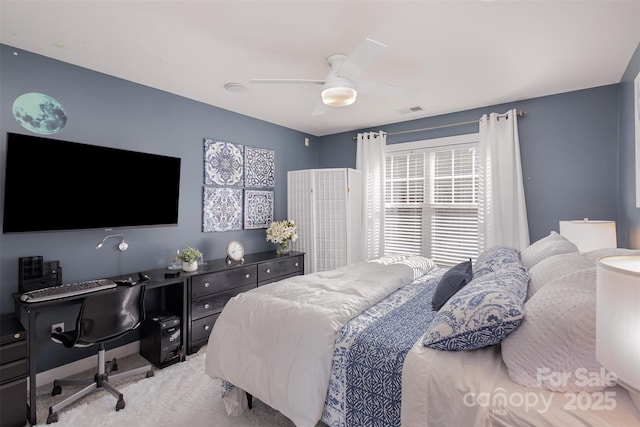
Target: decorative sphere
x,y
39,113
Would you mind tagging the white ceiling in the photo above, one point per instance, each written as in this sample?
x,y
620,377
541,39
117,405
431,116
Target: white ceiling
x,y
459,54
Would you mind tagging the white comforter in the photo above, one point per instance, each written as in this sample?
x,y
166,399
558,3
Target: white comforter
x,y
276,341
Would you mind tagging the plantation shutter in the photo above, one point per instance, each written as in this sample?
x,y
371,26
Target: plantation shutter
x,y
431,203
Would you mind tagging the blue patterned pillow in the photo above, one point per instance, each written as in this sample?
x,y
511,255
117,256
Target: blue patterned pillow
x,y
495,259
482,313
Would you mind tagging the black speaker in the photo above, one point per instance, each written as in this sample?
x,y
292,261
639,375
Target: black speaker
x,y
160,339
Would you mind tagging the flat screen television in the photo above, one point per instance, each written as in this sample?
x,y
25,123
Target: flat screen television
x,y
54,185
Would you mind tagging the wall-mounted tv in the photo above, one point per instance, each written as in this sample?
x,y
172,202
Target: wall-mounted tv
x,y
53,185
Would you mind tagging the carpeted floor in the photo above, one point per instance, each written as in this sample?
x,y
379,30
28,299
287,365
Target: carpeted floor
x,y
178,395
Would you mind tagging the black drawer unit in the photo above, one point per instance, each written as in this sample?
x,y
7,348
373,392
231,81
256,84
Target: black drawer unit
x,y
13,372
214,303
201,329
272,271
209,289
207,284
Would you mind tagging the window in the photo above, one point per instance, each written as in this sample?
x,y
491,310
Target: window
x,y
431,199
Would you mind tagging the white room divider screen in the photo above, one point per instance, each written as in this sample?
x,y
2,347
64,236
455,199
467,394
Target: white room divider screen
x,y
326,205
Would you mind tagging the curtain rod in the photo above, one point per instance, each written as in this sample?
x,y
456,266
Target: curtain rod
x,y
519,114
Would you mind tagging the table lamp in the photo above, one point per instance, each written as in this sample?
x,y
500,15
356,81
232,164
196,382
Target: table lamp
x,y
618,320
589,235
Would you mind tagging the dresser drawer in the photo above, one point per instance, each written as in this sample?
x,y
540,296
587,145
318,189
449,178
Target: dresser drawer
x,y
277,279
222,280
13,370
210,304
201,328
278,268
14,351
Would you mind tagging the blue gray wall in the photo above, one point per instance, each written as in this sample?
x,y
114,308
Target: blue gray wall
x,y
629,215
569,145
103,110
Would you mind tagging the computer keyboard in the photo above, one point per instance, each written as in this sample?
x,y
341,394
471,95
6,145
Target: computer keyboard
x,y
67,290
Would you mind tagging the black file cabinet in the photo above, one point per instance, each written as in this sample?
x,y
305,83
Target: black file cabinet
x,y
13,372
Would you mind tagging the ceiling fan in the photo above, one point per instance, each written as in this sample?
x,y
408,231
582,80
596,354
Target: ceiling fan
x,y
342,85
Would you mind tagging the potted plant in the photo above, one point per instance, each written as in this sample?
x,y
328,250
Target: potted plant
x,y
189,257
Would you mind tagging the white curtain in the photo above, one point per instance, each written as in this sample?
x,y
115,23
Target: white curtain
x,y
370,159
502,213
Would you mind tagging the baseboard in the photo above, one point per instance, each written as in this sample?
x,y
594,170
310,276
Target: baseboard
x,y
47,377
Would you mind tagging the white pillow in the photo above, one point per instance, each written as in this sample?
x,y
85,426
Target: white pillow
x,y
597,253
554,267
553,244
557,337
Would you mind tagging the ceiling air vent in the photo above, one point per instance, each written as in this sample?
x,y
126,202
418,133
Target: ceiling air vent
x,y
409,110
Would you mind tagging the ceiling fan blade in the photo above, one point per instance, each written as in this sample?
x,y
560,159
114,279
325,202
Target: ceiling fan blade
x,y
383,89
360,59
288,81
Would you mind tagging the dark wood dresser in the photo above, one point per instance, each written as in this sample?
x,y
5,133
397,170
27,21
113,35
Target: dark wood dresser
x,y
209,288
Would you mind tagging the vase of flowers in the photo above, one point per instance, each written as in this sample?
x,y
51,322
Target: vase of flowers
x,y
283,233
189,257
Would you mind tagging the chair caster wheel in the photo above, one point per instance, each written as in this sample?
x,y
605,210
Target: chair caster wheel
x,y
150,374
113,364
52,418
56,390
120,404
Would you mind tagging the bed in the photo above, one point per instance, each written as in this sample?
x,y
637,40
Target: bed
x,y
363,346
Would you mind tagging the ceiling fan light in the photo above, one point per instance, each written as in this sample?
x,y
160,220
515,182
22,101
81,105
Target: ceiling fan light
x,y
339,96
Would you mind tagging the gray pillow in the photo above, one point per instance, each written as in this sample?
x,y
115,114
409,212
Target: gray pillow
x,y
553,244
451,282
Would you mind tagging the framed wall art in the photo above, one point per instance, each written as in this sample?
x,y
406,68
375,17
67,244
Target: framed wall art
x,y
221,209
258,209
259,167
223,163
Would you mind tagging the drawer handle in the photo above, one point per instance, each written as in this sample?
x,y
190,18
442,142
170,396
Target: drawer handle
x,y
206,285
207,327
16,336
295,263
206,306
268,270
247,275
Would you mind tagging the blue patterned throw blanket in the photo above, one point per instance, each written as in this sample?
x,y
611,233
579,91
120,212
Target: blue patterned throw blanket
x,y
366,380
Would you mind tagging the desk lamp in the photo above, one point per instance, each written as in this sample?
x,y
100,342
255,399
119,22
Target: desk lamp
x,y
122,246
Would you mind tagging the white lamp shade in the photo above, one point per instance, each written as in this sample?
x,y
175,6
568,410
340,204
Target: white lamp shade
x,y
339,96
618,317
589,235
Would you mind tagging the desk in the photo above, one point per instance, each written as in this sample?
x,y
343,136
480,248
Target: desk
x,y
28,313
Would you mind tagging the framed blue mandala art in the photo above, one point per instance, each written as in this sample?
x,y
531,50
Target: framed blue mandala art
x,y
258,209
223,163
259,167
222,209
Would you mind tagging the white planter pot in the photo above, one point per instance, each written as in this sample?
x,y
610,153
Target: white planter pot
x,y
189,266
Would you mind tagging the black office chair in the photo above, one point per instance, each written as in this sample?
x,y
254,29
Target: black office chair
x,y
103,317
